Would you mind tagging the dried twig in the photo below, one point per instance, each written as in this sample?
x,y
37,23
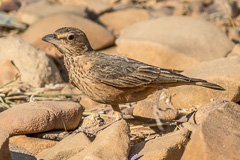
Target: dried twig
x,y
5,104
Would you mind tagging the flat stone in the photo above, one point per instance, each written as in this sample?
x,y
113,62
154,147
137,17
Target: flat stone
x,y
34,11
31,144
19,153
175,37
88,103
145,108
4,148
98,36
66,148
217,137
98,6
203,111
36,68
169,147
112,143
235,51
120,19
42,116
222,71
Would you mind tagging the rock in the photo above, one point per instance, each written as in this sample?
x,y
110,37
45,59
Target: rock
x,y
145,108
196,8
97,6
163,9
112,143
9,5
188,40
67,148
235,51
207,2
98,36
120,19
190,126
19,153
8,72
233,34
8,21
88,103
217,137
181,9
222,71
70,89
35,66
34,11
169,147
217,8
33,145
4,149
202,112
42,116
91,123
85,100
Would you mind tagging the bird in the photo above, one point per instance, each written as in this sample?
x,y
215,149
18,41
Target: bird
x,y
111,79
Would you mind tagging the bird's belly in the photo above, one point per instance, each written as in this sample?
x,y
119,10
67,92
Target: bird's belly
x,y
106,94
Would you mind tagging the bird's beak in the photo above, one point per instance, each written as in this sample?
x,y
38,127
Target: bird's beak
x,y
51,39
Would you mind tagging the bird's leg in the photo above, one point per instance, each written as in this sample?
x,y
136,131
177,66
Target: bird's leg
x,y
117,112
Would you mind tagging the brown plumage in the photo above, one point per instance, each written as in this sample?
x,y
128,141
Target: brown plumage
x,y
112,79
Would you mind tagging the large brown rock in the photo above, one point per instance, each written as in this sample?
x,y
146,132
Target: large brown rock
x,y
98,36
98,6
223,71
174,42
168,147
218,135
235,51
41,116
31,144
4,148
35,66
8,72
34,11
145,108
66,148
202,112
122,18
18,153
112,143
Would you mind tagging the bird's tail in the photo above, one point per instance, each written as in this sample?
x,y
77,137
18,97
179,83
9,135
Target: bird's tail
x,y
205,83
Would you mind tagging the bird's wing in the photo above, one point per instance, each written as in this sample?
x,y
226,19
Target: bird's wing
x,y
125,72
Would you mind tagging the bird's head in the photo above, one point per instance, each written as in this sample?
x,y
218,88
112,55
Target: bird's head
x,y
69,40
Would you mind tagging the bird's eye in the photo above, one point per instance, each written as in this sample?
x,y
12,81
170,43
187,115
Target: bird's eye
x,y
71,37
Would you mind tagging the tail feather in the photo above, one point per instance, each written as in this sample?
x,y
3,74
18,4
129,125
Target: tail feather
x,y
207,84
168,78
